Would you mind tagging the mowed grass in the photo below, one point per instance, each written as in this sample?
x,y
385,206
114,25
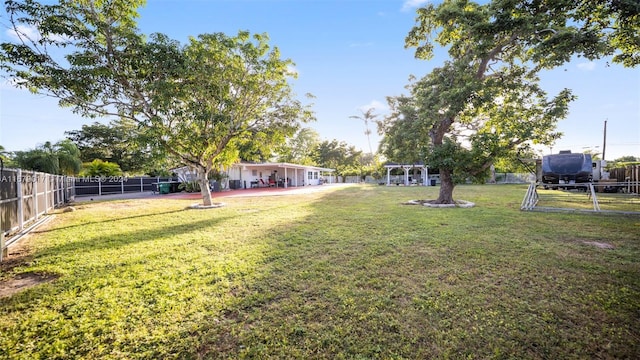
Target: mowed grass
x,y
347,273
582,200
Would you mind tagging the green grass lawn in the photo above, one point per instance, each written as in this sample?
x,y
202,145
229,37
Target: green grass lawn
x,y
346,273
581,200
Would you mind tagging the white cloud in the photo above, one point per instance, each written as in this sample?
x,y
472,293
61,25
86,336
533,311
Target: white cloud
x,y
23,31
10,84
376,105
29,33
292,70
587,66
412,4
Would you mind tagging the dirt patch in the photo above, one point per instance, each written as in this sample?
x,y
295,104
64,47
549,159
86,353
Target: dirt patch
x,y
212,206
23,282
20,254
432,204
599,245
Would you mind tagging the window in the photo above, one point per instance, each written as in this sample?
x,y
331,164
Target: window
x,y
254,172
310,175
315,175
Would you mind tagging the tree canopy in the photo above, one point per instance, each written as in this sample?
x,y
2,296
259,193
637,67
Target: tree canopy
x,y
339,155
300,148
120,142
485,101
61,158
548,33
199,102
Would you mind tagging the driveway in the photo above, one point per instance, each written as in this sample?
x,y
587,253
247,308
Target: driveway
x,y
216,195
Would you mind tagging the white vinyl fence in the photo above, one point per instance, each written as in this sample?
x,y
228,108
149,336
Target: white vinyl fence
x,y
26,196
501,178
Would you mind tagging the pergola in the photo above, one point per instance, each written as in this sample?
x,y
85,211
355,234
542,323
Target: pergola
x,y
424,172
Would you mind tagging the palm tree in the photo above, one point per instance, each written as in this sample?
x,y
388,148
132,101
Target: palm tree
x,y
366,117
3,157
4,154
69,162
62,158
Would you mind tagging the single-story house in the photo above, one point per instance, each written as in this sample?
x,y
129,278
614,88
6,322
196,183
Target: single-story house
x,y
246,175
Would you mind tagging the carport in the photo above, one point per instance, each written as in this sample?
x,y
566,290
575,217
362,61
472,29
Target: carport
x,y
252,175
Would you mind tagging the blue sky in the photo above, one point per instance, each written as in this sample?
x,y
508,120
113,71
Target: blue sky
x,y
350,55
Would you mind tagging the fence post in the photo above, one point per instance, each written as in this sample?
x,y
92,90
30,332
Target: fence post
x,y
54,195
637,169
34,188
61,189
141,185
122,184
20,197
72,189
47,179
99,186
3,249
2,246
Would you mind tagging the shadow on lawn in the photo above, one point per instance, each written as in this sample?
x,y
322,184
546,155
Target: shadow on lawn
x,y
313,296
343,282
357,276
107,221
127,237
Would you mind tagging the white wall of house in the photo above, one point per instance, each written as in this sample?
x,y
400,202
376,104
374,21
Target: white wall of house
x,y
249,175
186,174
313,177
252,175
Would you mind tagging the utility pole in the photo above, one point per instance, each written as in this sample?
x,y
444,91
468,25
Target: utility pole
x,y
604,142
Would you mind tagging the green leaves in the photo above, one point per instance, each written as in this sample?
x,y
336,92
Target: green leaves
x,y
198,102
547,32
61,158
101,168
485,102
338,155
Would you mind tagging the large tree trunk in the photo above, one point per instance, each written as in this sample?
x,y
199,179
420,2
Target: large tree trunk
x,y
446,188
207,199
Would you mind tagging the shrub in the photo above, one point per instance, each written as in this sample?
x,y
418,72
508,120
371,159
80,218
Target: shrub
x,y
101,168
189,186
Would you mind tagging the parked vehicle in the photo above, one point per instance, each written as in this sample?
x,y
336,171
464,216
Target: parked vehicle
x,y
566,168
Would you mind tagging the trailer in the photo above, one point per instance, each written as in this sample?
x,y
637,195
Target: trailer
x,y
566,168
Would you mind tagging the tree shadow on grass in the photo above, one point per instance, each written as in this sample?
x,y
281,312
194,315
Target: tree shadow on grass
x,y
113,243
328,291
355,275
124,238
108,221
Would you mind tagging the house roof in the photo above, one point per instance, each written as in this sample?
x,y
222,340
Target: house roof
x,y
282,165
279,165
419,165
